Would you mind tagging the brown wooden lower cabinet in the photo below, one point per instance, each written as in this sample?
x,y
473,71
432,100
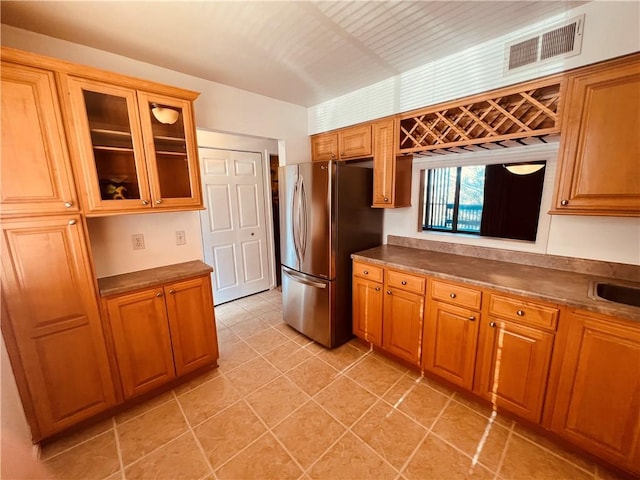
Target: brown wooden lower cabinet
x,y
402,324
51,323
367,310
162,332
597,403
450,341
513,364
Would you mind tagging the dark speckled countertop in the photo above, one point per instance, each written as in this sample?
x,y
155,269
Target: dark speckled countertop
x,y
550,285
128,282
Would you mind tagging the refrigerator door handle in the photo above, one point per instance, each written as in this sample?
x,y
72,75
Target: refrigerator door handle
x,y
303,279
294,218
304,219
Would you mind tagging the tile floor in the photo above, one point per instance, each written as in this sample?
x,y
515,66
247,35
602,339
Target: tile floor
x,y
282,407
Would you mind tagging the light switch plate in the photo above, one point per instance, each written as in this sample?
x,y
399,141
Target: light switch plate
x,y
137,239
181,239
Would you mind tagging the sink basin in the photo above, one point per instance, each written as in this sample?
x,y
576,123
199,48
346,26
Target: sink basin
x,y
618,293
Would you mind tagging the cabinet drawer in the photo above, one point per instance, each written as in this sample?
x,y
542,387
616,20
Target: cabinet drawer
x,y
456,294
523,312
366,270
406,281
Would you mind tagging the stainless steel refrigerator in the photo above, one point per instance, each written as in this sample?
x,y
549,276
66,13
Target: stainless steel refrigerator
x,y
325,216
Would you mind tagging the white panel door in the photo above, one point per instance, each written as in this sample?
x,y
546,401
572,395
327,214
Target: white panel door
x,y
234,231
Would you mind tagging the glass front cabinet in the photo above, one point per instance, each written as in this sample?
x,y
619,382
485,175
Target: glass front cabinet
x,y
135,150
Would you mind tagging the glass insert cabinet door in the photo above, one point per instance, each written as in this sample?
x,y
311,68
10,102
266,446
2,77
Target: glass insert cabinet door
x,y
111,145
170,146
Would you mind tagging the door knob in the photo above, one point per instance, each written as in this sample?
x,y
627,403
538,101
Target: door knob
x,y
68,204
472,318
172,291
520,313
452,295
159,201
564,203
377,289
145,202
72,222
252,234
159,294
403,282
492,324
388,292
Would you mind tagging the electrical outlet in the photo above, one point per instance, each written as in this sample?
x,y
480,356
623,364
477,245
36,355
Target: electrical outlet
x,y
181,239
138,241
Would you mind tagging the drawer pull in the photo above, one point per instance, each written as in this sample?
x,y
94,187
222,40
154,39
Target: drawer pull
x,y
520,313
452,295
68,204
492,324
159,294
388,292
71,222
172,291
403,282
377,289
472,318
366,272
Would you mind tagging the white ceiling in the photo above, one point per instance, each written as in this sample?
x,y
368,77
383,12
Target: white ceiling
x,y
303,52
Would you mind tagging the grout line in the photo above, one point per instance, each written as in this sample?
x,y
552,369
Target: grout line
x,y
81,442
118,448
503,455
193,433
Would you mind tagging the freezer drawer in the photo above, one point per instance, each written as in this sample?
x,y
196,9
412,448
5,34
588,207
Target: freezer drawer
x,y
307,304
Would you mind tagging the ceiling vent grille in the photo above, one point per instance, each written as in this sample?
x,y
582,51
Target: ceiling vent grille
x,y
562,41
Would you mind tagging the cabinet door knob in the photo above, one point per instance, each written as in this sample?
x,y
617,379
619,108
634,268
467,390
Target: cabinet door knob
x,y
377,289
564,203
520,313
342,154
68,204
72,222
333,155
472,318
386,199
159,294
403,282
492,324
366,272
388,292
452,295
159,201
145,202
172,291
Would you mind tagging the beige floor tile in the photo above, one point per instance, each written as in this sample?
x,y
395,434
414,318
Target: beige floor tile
x,y
554,447
465,429
345,400
150,430
250,327
423,404
360,345
375,375
275,401
235,354
239,315
228,309
252,375
292,334
195,382
390,433
263,459
226,335
482,408
389,361
50,449
313,347
180,459
143,407
524,459
287,356
225,434
435,459
95,459
312,375
207,400
254,304
308,432
350,459
273,317
266,340
342,357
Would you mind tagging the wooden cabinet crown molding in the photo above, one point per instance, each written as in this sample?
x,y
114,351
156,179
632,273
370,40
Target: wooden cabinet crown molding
x,y
92,73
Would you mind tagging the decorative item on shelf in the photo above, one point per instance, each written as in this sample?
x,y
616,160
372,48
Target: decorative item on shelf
x,y
113,188
524,168
165,114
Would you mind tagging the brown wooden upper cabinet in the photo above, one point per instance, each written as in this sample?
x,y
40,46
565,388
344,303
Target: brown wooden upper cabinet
x,y
133,150
599,163
35,172
345,144
391,174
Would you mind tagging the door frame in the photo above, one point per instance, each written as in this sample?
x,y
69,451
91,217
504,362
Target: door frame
x,y
263,146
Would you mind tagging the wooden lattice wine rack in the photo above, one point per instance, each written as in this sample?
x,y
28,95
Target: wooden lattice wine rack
x,y
528,110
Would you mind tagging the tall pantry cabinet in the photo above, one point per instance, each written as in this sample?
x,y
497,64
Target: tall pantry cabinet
x,y
50,315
